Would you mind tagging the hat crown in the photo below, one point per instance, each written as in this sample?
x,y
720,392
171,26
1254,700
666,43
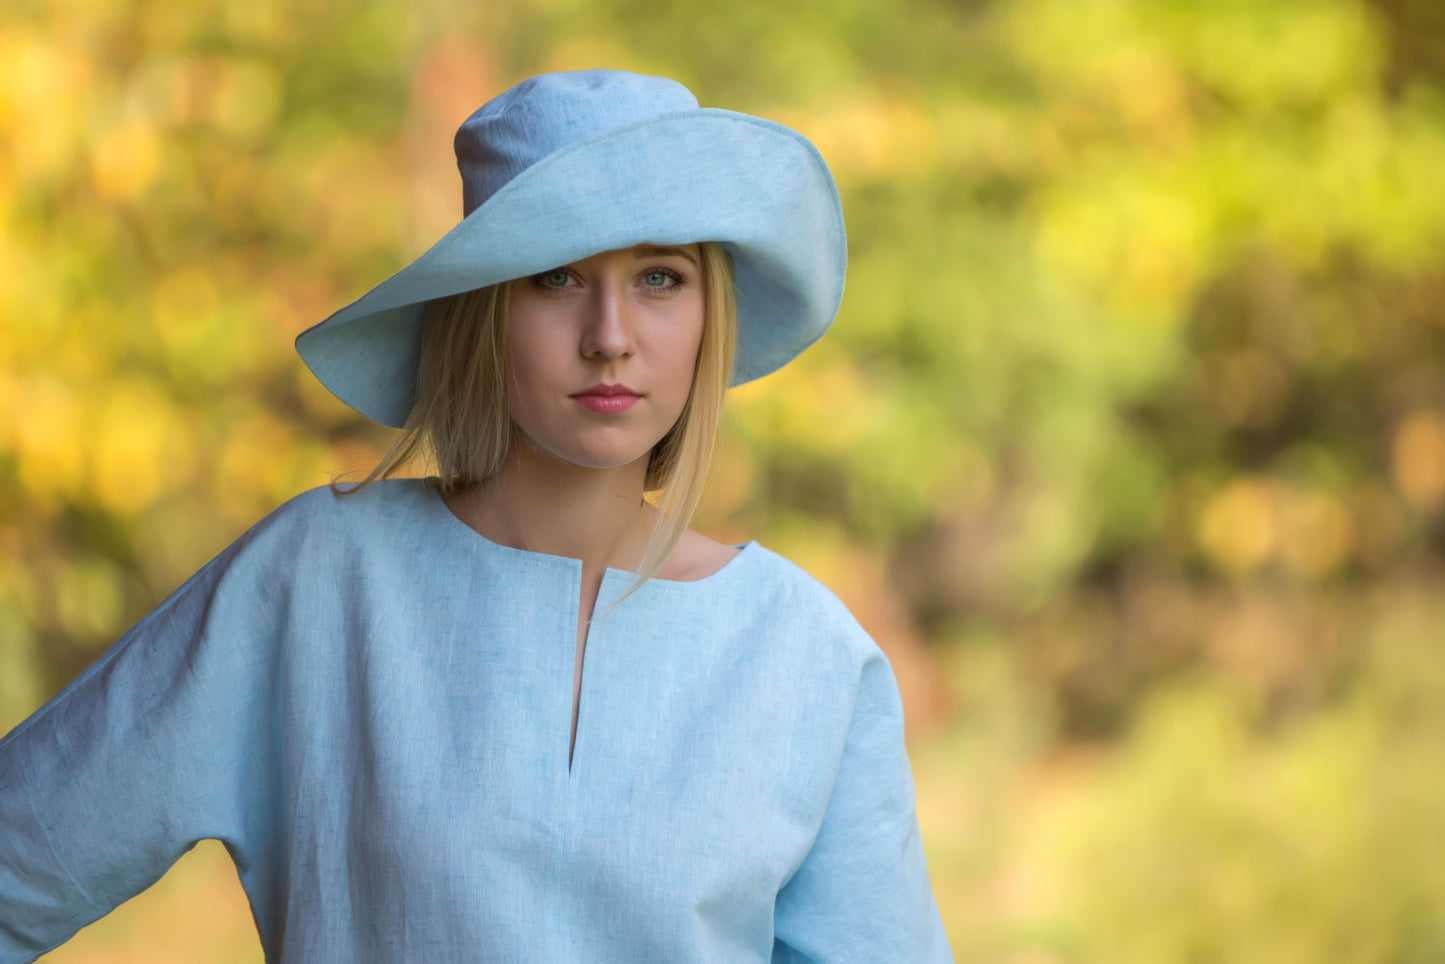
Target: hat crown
x,y
546,113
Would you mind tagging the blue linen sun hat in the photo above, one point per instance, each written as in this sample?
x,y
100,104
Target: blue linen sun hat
x,y
567,165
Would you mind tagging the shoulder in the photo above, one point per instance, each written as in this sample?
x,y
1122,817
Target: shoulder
x,y
321,524
788,605
783,586
696,557
325,509
343,500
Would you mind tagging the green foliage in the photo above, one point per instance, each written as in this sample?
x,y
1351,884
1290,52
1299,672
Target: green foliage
x,y
1203,842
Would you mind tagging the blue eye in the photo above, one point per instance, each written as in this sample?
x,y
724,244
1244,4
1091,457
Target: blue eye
x,y
554,279
662,279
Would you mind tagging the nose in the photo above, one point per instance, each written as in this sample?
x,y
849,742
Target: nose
x,y
607,332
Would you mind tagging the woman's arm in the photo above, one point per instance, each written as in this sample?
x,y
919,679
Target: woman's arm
x,y
862,893
154,747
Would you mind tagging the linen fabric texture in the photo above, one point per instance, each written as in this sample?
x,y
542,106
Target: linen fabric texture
x,y
369,704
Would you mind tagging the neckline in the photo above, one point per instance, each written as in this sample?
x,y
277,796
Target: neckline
x,y
432,496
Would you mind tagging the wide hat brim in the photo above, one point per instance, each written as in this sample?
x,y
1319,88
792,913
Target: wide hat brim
x,y
695,175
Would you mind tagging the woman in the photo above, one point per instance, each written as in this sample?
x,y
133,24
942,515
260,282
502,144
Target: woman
x,y
515,711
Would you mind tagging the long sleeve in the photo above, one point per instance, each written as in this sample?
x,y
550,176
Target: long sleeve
x,y
862,893
149,750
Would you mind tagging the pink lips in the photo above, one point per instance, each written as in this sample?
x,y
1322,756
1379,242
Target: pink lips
x,y
607,399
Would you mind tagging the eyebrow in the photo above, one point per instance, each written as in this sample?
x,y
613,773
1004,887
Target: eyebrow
x,y
654,251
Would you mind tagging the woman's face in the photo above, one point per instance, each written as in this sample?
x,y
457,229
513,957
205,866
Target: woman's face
x,y
602,352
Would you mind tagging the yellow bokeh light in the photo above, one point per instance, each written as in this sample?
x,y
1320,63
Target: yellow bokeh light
x,y
125,161
1317,533
256,465
1238,528
1418,460
47,433
1141,244
138,448
42,91
822,387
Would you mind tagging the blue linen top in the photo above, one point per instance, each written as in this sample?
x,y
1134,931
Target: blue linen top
x,y
369,704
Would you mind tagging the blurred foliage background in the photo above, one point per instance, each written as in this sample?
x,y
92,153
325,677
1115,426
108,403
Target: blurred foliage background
x,y
1129,443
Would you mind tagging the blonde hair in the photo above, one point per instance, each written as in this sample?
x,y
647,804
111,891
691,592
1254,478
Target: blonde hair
x,y
460,425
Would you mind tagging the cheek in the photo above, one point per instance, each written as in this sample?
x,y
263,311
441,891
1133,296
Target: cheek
x,y
684,346
527,370
523,403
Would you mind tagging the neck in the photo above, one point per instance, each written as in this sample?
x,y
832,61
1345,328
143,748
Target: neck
x,y
543,504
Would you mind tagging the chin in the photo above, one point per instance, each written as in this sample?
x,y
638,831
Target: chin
x,y
620,462
599,459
